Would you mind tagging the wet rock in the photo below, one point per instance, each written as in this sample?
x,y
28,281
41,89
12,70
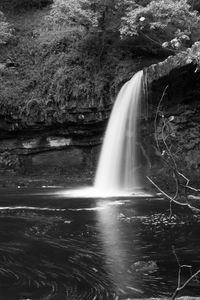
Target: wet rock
x,y
180,108
145,266
40,132
162,69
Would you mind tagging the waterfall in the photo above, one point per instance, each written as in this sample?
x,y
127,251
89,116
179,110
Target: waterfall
x,y
117,167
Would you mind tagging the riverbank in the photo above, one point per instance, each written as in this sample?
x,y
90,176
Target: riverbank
x,y
9,179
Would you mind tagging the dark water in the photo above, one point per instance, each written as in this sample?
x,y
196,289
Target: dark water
x,y
53,247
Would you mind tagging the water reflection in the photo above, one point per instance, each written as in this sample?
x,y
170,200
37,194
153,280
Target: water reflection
x,y
93,249
118,251
110,234
138,244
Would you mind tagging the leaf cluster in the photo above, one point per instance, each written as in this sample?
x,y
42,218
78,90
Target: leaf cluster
x,y
164,21
5,29
72,13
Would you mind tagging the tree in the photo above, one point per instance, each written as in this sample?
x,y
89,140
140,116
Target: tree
x,y
92,43
5,29
167,22
102,15
85,50
72,13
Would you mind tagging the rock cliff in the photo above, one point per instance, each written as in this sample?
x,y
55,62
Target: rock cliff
x,y
68,141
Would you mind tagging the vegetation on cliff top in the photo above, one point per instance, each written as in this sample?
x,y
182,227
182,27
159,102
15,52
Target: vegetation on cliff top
x,y
78,53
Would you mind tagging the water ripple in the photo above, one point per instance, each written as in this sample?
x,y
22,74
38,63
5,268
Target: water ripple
x,y
30,208
51,269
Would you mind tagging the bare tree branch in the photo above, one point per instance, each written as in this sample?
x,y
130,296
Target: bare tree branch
x,y
170,161
181,287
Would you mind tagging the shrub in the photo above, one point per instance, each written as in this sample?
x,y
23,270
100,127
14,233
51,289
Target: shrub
x,y
168,22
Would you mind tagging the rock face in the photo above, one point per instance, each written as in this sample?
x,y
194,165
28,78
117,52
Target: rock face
x,y
51,152
164,68
181,133
174,114
70,145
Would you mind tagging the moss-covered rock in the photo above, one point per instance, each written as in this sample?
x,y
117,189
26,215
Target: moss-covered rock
x,y
176,62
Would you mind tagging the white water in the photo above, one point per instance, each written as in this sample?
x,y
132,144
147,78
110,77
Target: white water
x,y
117,167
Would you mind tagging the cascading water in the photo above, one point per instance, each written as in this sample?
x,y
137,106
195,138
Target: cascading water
x,y
116,172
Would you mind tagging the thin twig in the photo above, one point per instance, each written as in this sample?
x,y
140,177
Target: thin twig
x,y
157,43
179,286
187,183
156,117
170,160
172,198
185,284
177,175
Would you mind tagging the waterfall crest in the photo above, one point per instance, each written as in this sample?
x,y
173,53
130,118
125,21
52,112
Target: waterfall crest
x,y
117,166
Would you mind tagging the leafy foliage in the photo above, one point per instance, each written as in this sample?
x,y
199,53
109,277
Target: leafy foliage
x,y
168,22
91,14
5,29
87,61
72,12
79,76
72,53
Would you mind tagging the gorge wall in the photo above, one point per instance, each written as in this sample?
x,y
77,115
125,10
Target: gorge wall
x,y
179,108
66,148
